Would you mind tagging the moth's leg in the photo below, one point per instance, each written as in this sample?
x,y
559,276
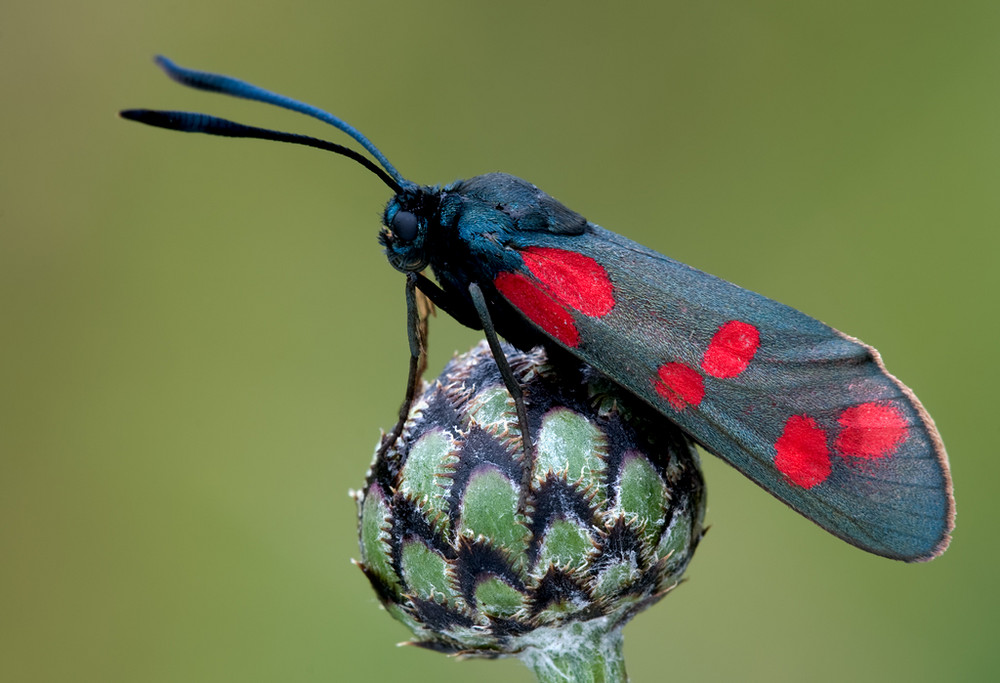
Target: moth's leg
x,y
513,386
449,303
416,334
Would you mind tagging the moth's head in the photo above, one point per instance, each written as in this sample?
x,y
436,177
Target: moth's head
x,y
406,222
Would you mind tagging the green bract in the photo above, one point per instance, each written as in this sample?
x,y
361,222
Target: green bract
x,y
480,558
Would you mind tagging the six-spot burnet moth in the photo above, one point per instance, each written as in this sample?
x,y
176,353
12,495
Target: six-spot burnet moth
x,y
807,412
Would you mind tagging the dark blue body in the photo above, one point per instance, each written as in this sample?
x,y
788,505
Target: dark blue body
x,y
899,507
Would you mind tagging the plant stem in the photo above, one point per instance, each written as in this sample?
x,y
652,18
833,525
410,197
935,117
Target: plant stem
x,y
583,652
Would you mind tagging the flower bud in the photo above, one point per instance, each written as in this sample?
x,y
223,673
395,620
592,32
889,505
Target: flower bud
x,y
481,552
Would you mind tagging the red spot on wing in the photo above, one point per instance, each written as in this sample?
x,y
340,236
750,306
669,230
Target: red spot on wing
x,y
801,452
871,430
731,349
539,307
680,385
575,280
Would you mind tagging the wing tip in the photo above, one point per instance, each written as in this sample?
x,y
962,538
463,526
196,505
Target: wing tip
x,y
940,454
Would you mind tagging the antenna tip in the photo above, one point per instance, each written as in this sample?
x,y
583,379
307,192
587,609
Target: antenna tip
x,y
170,68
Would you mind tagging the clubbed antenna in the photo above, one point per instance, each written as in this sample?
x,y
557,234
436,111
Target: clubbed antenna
x,y
202,123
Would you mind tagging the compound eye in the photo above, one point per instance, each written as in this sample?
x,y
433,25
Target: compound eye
x,y
404,226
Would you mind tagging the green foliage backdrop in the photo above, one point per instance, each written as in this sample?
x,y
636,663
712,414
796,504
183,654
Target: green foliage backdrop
x,y
199,338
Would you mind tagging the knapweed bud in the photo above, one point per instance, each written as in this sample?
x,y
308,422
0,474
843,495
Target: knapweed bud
x,y
480,558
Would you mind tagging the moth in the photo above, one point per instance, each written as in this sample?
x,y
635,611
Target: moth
x,y
807,412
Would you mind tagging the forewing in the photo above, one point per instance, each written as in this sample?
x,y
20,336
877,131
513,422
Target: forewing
x,y
807,412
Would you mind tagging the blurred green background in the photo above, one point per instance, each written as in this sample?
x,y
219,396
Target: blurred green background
x,y
200,337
